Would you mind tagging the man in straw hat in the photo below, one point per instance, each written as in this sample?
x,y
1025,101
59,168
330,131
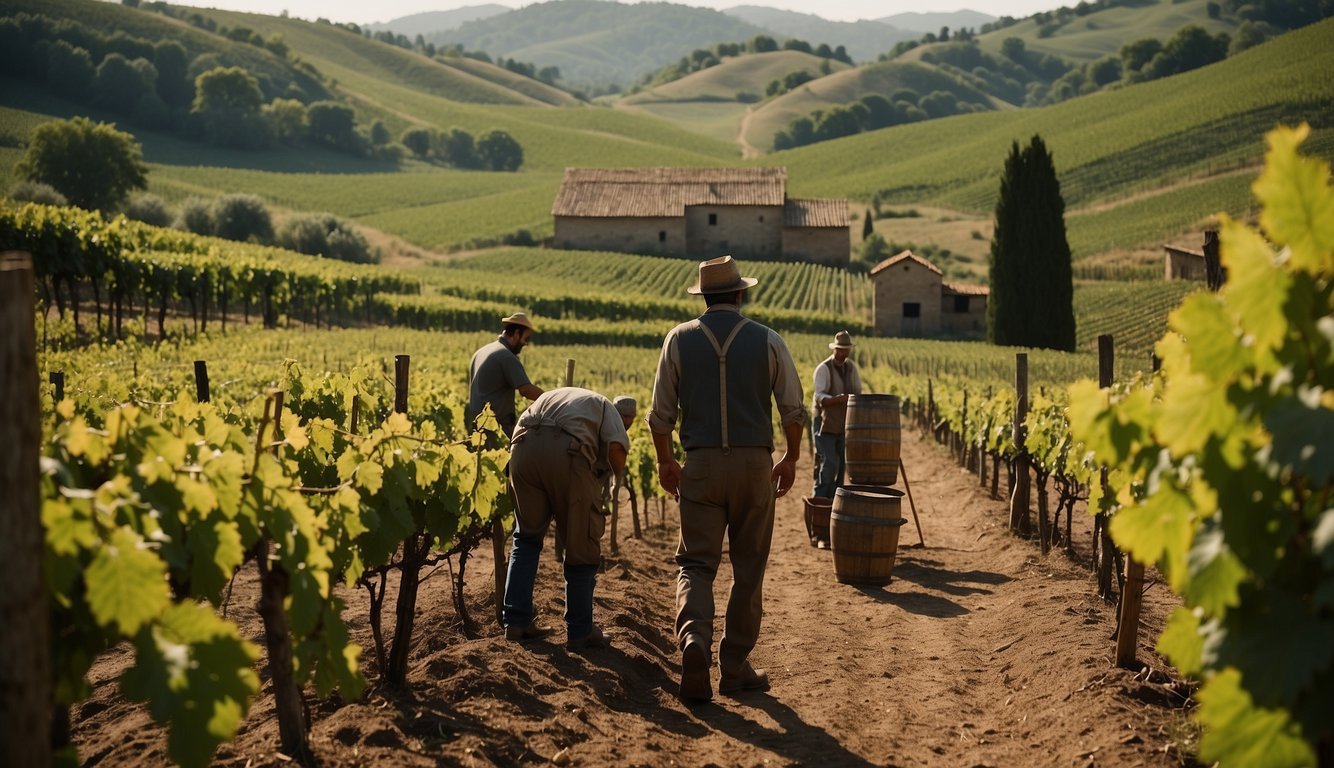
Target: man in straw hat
x,y
717,373
565,445
496,373
836,377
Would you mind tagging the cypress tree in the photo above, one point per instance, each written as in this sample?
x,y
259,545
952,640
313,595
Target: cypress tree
x,y
868,226
1032,293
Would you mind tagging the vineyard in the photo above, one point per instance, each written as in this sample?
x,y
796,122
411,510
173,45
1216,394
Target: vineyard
x,y
236,417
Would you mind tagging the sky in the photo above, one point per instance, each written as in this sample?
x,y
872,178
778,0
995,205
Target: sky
x,y
363,12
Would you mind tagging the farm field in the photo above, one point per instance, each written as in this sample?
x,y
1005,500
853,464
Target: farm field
x,y
977,653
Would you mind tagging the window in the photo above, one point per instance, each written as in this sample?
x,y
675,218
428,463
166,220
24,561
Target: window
x,y
912,309
961,304
662,235
713,219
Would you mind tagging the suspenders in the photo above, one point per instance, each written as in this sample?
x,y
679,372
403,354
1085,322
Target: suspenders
x,y
722,368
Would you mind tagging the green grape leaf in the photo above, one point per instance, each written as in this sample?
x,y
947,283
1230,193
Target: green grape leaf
x,y
196,496
127,583
1277,643
1214,347
1194,408
196,673
1215,573
1301,438
1256,289
68,530
223,472
1297,199
1238,733
216,551
1180,641
1158,530
370,477
336,658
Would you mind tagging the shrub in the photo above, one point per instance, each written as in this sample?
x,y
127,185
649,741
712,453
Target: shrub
x,y
242,217
196,215
36,192
323,234
150,209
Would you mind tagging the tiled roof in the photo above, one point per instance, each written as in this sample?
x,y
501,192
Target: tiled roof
x,y
825,212
959,289
904,256
663,192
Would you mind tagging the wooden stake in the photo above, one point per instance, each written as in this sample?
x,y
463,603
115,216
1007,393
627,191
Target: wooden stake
x,y
1131,598
401,363
1019,499
201,381
25,677
912,505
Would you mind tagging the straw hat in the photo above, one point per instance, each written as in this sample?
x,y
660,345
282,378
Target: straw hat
x,y
720,275
842,340
626,406
518,318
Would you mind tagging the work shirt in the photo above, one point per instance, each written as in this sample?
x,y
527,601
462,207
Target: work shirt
x,y
493,376
687,384
587,417
830,381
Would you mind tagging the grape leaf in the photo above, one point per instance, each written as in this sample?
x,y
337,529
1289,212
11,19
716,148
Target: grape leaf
x,y
1238,733
127,583
1181,641
1298,202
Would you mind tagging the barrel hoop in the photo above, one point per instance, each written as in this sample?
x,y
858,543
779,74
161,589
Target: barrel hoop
x,y
872,521
867,555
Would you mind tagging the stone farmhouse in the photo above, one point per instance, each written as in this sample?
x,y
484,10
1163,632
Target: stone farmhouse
x,y
1183,263
699,213
913,299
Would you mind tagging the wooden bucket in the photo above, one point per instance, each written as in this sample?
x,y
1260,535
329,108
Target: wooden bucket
x,y
817,519
871,436
864,533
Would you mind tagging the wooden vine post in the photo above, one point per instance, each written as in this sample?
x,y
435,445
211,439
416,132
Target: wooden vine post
x,y
201,381
25,676
415,550
1103,544
1132,590
1019,498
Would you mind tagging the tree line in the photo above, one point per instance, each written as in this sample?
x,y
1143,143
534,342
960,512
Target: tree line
x,y
159,86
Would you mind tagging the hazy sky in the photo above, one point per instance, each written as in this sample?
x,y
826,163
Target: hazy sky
x,y
363,12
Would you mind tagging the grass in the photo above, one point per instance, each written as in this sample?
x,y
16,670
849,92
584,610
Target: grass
x,y
751,73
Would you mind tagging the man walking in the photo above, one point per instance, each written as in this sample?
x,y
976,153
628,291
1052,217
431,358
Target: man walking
x,y
565,445
717,373
496,373
836,377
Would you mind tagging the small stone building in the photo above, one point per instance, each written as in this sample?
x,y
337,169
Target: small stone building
x,y
912,299
698,212
1183,263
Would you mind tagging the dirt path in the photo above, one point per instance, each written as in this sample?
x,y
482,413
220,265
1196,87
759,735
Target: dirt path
x,y
979,653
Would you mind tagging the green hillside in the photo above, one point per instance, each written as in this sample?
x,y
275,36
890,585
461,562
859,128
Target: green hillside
x,y
599,43
1108,147
1103,32
864,40
740,74
848,86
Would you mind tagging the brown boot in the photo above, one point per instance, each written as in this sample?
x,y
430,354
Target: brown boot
x,y
695,684
748,679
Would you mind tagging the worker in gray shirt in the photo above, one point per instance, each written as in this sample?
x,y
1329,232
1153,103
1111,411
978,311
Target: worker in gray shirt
x,y
496,373
718,373
566,444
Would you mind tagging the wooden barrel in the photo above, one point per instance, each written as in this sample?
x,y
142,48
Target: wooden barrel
x,y
871,436
864,533
817,519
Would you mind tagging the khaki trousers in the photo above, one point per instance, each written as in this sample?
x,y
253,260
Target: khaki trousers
x,y
551,480
724,493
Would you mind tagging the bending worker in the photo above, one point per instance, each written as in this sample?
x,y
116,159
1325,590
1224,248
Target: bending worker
x,y
566,443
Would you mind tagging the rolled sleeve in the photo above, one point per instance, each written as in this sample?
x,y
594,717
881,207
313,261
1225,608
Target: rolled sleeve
x,y
612,429
665,407
786,382
822,383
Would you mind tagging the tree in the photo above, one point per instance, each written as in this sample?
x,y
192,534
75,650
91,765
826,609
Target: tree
x,y
457,149
499,151
70,70
173,81
121,83
287,119
762,44
1032,293
418,140
92,164
332,124
227,101
868,225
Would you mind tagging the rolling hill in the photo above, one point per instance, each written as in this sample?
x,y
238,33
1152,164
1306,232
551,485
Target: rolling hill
x,y
864,40
600,44
932,22
437,21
